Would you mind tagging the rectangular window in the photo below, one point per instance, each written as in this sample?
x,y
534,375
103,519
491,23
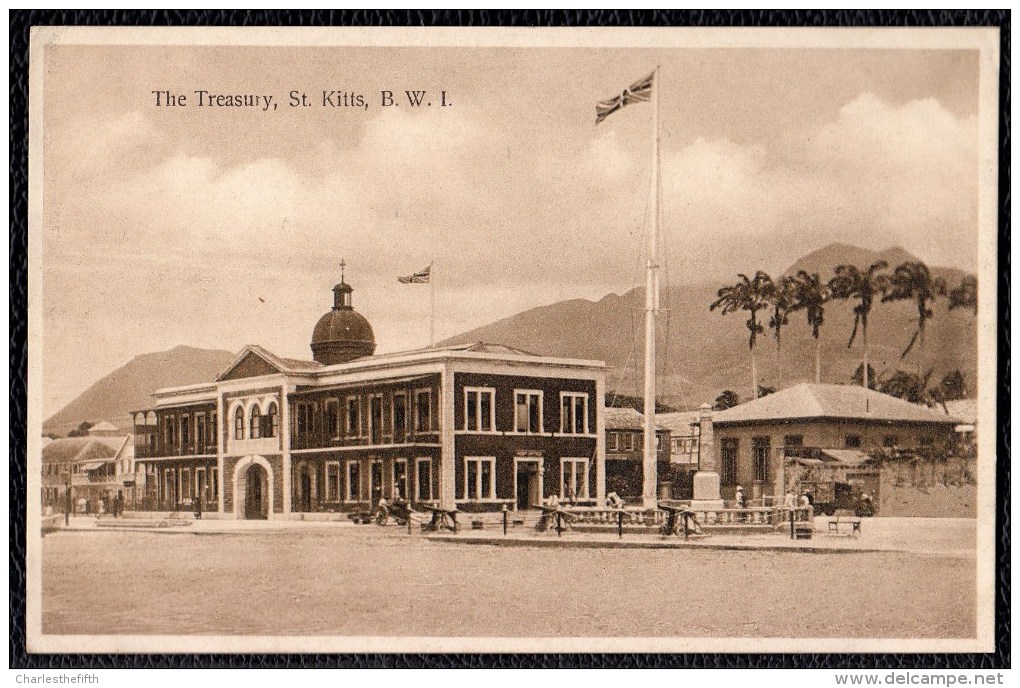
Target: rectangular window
x,y
793,441
353,417
201,486
400,479
399,418
613,441
301,418
479,477
423,467
627,441
200,432
332,418
186,483
332,481
423,410
185,433
729,451
761,447
890,441
574,478
375,418
925,441
573,413
214,483
527,411
479,409
211,438
353,481
853,442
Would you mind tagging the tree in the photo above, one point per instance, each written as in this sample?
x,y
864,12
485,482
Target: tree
x,y
858,377
727,399
810,296
82,430
746,295
850,282
953,386
781,298
912,281
765,390
908,386
965,295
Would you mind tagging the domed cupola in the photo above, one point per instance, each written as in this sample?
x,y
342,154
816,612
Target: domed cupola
x,y
342,334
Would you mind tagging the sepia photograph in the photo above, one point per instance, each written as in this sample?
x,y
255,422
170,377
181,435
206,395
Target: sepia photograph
x,y
512,340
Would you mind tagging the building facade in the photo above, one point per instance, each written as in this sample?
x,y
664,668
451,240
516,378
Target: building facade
x,y
840,423
474,426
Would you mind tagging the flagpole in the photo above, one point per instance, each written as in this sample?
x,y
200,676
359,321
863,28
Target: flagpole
x,y
432,308
649,463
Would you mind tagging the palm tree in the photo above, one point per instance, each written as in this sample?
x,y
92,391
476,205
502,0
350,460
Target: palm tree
x,y
746,295
811,295
850,282
913,281
781,297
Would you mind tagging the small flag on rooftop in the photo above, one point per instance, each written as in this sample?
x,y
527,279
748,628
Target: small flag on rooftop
x,y
638,92
420,277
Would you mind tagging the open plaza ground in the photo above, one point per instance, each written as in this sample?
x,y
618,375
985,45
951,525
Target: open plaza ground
x,y
289,578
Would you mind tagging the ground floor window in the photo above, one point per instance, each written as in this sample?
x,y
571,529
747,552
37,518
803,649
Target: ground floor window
x,y
400,479
332,481
353,481
574,478
479,477
730,448
423,469
761,446
214,483
201,486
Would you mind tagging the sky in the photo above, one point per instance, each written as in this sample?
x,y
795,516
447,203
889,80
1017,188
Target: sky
x,y
217,227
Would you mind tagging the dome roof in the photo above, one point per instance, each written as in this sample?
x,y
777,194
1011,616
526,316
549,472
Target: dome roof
x,y
342,334
343,325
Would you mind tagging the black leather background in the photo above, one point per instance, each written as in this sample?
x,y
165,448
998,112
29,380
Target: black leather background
x,y
20,23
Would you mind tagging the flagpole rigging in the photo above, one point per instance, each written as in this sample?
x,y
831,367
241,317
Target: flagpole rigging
x,y
649,464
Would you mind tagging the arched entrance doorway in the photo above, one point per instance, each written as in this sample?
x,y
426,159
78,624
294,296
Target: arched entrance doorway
x,y
253,488
256,492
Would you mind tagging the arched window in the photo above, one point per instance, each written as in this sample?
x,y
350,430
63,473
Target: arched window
x,y
274,419
256,418
239,424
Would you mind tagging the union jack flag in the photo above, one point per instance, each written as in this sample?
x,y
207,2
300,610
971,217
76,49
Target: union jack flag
x,y
638,92
420,277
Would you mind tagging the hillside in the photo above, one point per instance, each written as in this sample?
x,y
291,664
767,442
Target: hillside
x,y
700,353
129,387
703,353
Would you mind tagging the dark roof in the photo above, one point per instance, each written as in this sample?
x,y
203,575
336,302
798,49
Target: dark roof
x,y
808,400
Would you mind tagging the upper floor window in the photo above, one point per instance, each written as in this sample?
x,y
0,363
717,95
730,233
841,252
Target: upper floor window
x,y
890,441
527,411
200,431
423,410
185,431
212,428
853,442
399,417
479,409
332,419
254,424
273,422
793,441
627,441
305,418
573,413
239,424
613,441
353,417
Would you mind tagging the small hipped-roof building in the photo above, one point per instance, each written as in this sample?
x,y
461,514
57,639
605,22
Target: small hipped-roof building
x,y
843,422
